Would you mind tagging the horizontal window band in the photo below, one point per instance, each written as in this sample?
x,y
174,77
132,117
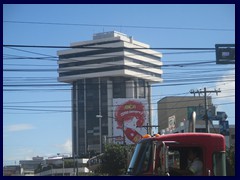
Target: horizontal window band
x,y
108,60
105,69
89,62
105,51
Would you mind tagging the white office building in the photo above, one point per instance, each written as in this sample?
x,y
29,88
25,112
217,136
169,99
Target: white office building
x,y
111,65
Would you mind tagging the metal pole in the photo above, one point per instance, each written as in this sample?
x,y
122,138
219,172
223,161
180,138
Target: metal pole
x,y
77,166
123,133
63,165
100,131
206,115
193,121
74,161
147,128
52,170
100,115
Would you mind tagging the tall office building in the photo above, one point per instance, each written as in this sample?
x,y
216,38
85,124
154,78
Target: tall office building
x,y
104,72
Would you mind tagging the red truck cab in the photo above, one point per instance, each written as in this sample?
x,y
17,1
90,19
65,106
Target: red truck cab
x,y
157,155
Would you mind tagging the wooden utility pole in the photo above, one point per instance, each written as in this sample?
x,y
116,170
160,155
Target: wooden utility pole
x,y
205,103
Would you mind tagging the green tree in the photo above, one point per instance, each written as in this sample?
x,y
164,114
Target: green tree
x,y
230,161
114,160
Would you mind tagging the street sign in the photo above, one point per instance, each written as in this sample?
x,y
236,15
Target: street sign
x,y
200,112
224,128
225,53
221,116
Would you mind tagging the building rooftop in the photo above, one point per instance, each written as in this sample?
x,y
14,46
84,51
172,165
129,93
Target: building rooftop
x,y
108,35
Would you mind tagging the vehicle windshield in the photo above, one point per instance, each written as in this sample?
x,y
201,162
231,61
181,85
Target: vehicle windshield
x,y
141,159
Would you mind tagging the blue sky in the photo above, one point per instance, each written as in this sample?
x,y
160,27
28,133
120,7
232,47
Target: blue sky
x,y
37,120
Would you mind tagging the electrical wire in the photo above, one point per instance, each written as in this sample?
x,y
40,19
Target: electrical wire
x,y
115,26
87,47
36,84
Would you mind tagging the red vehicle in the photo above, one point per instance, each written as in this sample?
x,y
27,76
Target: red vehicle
x,y
156,155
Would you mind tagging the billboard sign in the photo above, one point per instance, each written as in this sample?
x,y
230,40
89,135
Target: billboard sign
x,y
171,123
129,115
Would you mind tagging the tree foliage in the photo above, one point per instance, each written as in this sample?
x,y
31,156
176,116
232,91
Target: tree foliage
x,y
230,161
114,160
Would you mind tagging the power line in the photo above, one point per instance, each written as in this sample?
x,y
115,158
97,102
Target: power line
x,y
187,52
31,52
198,81
42,82
28,102
111,64
55,57
156,96
187,80
69,89
89,47
36,108
117,26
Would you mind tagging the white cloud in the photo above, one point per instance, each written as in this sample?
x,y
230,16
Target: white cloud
x,y
225,100
19,127
227,87
66,147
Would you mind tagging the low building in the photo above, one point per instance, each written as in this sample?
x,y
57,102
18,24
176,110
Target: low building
x,y
12,170
173,110
63,166
28,167
201,127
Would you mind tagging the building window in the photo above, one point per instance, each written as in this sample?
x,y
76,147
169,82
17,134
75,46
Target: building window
x,y
141,87
119,88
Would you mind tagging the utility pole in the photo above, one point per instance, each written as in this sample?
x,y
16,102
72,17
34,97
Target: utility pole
x,y
205,103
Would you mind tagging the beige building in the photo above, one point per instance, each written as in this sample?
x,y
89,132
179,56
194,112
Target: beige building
x,y
174,114
176,109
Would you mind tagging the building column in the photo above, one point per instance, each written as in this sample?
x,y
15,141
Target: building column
x,y
148,95
85,117
75,118
110,107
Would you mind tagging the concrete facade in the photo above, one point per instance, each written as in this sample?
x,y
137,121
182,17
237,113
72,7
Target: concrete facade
x,y
179,106
111,65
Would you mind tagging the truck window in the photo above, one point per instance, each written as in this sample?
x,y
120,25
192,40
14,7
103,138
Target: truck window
x,y
147,159
178,161
174,159
169,158
219,164
141,159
